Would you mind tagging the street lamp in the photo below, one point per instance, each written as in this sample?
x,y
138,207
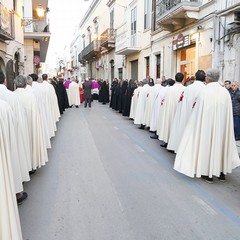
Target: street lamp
x,y
40,11
40,14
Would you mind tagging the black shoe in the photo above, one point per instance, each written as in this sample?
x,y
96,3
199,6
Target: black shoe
x,y
70,106
154,136
163,145
22,196
207,179
222,177
76,106
142,126
32,172
171,151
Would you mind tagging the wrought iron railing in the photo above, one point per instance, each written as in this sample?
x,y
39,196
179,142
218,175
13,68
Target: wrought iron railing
x,y
163,6
109,35
94,46
35,25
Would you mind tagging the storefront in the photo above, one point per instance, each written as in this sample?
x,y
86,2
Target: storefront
x,y
186,55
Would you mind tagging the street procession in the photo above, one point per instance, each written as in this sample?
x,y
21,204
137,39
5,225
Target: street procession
x,y
120,120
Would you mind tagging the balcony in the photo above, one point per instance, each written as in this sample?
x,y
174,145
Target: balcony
x,y
127,43
108,39
91,51
175,14
38,30
6,24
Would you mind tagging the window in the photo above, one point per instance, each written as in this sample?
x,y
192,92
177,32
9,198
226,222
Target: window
x,y
147,65
112,19
155,14
120,73
158,59
147,13
89,35
14,5
84,41
133,26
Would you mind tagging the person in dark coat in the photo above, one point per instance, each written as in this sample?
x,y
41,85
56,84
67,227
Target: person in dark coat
x,y
113,102
62,96
235,96
104,93
87,87
132,85
123,95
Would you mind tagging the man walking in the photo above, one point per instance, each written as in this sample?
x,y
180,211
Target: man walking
x,y
87,87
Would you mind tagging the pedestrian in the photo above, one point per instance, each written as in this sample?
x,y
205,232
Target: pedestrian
x,y
227,85
208,147
235,96
73,94
87,87
62,96
104,93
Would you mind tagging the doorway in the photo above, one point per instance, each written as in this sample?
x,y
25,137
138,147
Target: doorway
x,y
187,62
134,70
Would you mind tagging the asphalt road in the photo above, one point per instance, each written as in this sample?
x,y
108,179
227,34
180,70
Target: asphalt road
x,y
107,180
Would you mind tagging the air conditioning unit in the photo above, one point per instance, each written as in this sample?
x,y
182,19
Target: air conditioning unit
x,y
233,18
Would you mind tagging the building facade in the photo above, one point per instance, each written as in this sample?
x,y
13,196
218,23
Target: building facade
x,y
35,26
11,40
157,38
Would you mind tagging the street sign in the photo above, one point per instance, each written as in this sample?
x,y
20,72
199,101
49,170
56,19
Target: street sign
x,y
36,60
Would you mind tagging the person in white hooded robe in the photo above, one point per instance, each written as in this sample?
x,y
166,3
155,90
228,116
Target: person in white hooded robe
x,y
38,148
152,95
157,107
20,127
184,110
9,217
168,108
141,104
135,100
208,146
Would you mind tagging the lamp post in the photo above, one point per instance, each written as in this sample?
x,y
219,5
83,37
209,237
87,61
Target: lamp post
x,y
40,12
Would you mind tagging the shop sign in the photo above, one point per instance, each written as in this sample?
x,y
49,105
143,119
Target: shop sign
x,y
181,42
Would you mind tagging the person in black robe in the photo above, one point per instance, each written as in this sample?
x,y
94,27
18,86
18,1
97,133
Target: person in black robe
x,y
104,93
130,89
113,102
123,95
61,94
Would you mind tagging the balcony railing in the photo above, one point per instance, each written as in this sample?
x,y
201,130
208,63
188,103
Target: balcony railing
x,y
35,25
127,43
6,23
91,50
163,6
108,38
171,15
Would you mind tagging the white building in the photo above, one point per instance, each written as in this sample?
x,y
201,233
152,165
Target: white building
x,y
11,44
36,34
